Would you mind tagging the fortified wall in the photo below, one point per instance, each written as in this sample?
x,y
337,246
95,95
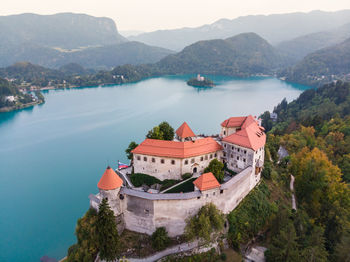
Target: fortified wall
x,y
143,212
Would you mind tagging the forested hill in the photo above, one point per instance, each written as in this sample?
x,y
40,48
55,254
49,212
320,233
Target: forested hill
x,y
315,130
241,55
303,45
55,40
322,66
64,30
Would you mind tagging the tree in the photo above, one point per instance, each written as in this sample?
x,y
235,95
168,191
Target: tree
x,y
86,248
160,238
207,220
155,133
131,147
284,247
107,233
167,130
217,168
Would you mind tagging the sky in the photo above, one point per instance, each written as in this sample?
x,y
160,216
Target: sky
x,y
150,15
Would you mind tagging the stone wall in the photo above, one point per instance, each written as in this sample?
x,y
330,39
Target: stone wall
x,y
144,212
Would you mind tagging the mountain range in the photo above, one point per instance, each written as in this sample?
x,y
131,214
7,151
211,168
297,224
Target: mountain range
x,y
55,40
274,28
301,46
322,66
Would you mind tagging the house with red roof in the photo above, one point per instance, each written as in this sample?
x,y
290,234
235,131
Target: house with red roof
x,y
171,159
241,144
243,141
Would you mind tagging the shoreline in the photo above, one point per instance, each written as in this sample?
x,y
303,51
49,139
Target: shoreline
x,y
14,108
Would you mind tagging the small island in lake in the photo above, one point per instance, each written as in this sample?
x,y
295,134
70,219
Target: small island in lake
x,y
200,81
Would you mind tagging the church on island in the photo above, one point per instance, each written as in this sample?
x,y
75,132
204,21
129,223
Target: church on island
x,y
239,145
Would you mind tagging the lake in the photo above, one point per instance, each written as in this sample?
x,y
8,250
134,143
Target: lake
x,y
53,155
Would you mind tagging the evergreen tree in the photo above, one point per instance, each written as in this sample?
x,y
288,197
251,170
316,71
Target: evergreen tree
x,y
284,246
107,233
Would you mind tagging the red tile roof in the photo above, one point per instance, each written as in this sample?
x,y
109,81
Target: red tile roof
x,y
206,181
185,131
234,121
251,135
109,180
176,149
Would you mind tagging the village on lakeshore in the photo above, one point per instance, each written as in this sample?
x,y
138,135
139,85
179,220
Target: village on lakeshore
x,y
143,209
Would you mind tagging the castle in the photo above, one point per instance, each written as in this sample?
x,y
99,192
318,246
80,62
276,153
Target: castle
x,y
240,145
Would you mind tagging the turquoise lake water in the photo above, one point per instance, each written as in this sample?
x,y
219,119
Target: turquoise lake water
x,y
53,155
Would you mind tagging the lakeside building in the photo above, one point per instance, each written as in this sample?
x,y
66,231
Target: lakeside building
x,y
240,145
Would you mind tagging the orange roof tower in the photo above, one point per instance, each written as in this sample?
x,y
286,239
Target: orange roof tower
x,y
206,181
185,131
109,180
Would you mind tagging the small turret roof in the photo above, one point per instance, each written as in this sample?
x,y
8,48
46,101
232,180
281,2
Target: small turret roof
x,y
185,131
206,181
109,180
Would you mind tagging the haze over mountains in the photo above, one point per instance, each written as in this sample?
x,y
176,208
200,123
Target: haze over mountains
x,y
76,41
306,44
241,55
322,66
55,40
274,28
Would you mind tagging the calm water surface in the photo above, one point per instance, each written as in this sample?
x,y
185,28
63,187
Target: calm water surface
x,y
52,155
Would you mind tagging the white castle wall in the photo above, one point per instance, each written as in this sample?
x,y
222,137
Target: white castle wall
x,y
144,212
172,168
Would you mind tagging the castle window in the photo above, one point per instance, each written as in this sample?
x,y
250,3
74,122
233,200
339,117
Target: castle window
x,y
146,211
192,160
153,160
173,162
231,155
231,164
213,193
199,197
245,151
186,162
238,149
224,154
207,195
232,148
244,159
224,132
138,158
202,158
206,157
216,155
238,158
221,191
211,156
144,158
162,161
225,145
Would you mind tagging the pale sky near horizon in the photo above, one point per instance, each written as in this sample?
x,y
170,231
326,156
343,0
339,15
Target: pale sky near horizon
x,y
149,15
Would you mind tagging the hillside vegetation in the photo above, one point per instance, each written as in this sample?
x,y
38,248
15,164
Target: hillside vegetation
x,y
55,40
301,46
322,66
241,55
